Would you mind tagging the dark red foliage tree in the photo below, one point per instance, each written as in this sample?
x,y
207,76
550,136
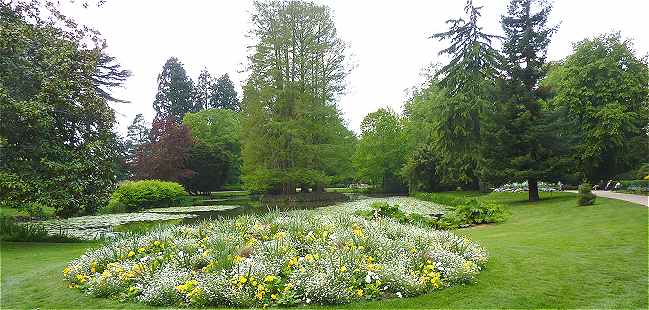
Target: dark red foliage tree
x,y
163,158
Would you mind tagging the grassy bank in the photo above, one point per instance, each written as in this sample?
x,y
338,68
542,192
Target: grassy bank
x,y
548,254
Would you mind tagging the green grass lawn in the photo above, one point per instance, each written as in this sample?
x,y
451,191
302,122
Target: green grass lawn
x,y
548,254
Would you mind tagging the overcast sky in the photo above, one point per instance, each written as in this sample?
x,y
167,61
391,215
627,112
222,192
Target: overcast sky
x,y
389,41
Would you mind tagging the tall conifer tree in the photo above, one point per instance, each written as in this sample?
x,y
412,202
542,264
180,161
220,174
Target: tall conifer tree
x,y
466,79
175,95
525,147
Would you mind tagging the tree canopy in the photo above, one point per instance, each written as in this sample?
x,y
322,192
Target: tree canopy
x,y
380,151
175,95
602,91
292,130
56,140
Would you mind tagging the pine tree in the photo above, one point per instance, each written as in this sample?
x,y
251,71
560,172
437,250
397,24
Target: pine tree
x,y
223,94
175,92
526,146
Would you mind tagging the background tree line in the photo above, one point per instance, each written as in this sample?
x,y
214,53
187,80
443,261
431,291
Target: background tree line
x,y
496,115
497,111
194,136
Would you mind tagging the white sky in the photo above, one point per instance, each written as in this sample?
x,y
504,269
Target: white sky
x,y
389,41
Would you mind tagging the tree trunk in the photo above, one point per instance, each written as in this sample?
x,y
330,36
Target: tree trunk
x,y
533,189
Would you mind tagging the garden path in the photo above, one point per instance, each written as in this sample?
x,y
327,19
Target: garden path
x,y
639,199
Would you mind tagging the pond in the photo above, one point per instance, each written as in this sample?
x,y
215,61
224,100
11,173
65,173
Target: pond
x,y
101,226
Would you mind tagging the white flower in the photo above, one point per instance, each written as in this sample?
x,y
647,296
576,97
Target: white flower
x,y
399,295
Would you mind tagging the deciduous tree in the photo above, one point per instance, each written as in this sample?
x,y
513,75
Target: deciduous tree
x,y
292,128
381,151
164,157
602,88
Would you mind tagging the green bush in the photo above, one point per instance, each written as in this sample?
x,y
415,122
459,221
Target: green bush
x,y
137,195
477,212
585,197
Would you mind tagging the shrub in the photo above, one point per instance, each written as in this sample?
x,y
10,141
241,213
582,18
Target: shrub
x,y
479,212
585,197
136,195
277,259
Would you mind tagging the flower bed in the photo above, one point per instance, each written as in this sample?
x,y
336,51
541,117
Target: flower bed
x,y
289,258
522,187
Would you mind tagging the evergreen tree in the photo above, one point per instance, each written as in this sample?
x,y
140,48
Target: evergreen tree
x,y
175,92
203,91
223,94
57,145
466,79
522,145
137,136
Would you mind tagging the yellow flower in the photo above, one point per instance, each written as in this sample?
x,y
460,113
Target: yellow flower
x,y
251,241
280,235
81,278
343,269
260,295
359,292
141,250
308,258
373,267
93,267
288,286
273,296
237,259
66,271
130,254
370,259
206,253
292,261
242,279
270,278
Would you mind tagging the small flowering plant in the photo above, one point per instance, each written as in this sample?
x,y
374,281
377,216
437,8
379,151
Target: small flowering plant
x,y
285,259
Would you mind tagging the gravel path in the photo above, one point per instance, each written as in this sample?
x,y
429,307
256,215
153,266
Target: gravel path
x,y
639,199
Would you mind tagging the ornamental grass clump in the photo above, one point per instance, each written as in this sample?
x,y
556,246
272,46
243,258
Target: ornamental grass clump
x,y
277,259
